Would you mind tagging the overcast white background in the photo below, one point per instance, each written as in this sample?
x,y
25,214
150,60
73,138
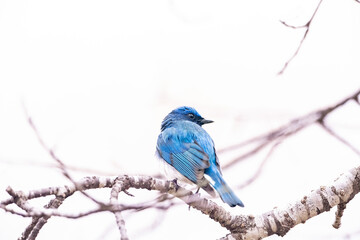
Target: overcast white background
x,y
97,78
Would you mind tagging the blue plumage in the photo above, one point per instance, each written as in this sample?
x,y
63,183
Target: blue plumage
x,y
187,147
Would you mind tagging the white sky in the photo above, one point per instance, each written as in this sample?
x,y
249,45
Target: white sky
x,y
97,77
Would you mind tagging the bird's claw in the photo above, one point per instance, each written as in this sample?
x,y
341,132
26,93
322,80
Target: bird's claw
x,y
176,184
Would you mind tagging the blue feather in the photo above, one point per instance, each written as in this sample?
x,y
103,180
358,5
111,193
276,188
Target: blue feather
x,y
187,147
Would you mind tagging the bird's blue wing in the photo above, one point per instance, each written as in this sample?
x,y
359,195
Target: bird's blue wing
x,y
185,154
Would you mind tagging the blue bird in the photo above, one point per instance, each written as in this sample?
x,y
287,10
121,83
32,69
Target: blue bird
x,y
187,147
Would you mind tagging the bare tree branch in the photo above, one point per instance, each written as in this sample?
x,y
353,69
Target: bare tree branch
x,y
338,137
281,133
277,221
280,221
65,191
53,155
239,226
307,26
37,223
116,189
258,171
339,213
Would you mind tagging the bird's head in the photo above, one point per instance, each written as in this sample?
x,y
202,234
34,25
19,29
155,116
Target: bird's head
x,y
183,113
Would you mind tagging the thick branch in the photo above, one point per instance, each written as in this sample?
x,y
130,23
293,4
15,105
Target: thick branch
x,y
279,221
65,191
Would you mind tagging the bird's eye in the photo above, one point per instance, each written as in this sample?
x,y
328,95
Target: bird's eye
x,y
191,116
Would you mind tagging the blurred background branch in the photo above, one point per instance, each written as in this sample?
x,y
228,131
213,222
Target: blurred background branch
x,y
307,27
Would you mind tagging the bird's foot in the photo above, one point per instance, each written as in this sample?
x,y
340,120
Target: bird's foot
x,y
176,184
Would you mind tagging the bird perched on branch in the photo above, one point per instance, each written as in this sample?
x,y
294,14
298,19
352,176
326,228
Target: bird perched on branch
x,y
189,149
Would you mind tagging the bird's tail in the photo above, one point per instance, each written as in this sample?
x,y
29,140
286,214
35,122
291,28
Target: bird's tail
x,y
226,194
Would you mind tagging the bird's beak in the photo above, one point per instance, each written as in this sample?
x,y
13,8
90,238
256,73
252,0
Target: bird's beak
x,y
205,121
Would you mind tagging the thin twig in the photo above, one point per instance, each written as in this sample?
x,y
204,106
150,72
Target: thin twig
x,y
294,126
307,26
281,133
12,211
338,137
247,154
261,166
62,166
294,27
